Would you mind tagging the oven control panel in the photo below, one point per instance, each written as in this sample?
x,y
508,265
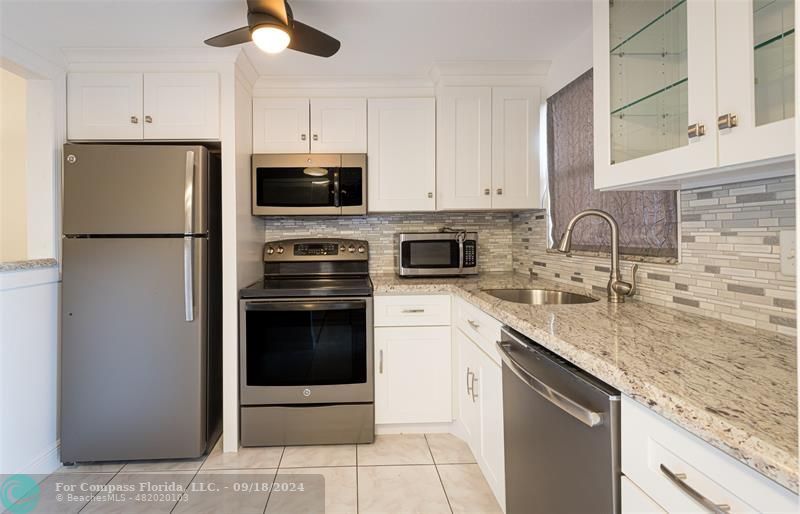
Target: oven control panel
x,y
321,249
316,249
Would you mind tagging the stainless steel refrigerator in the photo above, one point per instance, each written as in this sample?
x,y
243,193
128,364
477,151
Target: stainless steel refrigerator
x,y
141,313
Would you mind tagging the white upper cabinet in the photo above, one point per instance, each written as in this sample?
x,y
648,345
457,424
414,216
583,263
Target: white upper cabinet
x,y
464,148
401,154
653,78
318,125
691,92
280,125
515,136
136,106
338,125
181,106
755,67
487,140
104,106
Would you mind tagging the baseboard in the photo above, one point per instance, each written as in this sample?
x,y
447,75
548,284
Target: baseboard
x,y
415,428
47,462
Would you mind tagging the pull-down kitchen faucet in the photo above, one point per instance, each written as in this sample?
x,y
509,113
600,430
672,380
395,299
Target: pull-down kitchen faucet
x,y
617,288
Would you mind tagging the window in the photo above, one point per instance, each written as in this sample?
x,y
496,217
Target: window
x,y
648,220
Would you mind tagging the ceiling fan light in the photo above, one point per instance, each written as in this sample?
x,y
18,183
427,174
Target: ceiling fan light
x,y
271,38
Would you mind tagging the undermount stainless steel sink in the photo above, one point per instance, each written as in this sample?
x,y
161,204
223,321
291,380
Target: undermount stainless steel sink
x,y
539,296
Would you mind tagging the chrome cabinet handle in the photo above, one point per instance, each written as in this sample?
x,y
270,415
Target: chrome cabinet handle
x,y
134,120
697,130
487,191
568,405
302,137
473,324
413,311
499,190
727,121
430,195
470,382
316,137
148,119
380,362
679,480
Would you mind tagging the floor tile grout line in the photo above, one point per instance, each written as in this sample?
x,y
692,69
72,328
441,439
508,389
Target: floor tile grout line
x,y
357,498
274,478
436,467
95,494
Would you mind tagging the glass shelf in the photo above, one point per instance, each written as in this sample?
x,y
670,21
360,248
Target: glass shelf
x,y
774,39
773,60
651,24
661,91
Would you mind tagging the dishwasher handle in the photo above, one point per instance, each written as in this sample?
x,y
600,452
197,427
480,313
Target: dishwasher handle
x,y
568,405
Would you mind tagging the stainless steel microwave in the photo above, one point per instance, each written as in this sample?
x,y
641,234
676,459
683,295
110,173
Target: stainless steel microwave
x,y
309,184
449,253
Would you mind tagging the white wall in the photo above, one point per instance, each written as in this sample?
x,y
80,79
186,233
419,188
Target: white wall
x,y
571,62
13,168
29,329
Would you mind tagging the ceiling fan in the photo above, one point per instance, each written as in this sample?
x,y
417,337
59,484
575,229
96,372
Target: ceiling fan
x,y
271,26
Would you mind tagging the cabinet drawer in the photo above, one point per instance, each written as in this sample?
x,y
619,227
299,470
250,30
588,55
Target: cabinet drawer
x,y
479,326
667,463
412,311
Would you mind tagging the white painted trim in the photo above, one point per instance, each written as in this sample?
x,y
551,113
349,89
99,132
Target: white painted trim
x,y
317,82
341,91
490,72
416,428
28,278
47,462
245,70
149,56
25,62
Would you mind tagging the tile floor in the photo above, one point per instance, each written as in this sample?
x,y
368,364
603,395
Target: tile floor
x,y
411,473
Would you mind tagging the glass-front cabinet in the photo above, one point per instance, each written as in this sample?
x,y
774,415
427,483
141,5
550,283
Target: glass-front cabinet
x,y
682,87
755,45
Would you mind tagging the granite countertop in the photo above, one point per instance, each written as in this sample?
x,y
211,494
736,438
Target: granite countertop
x,y
733,386
28,265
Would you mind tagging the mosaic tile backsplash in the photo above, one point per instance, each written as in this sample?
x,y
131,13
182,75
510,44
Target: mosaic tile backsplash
x,y
494,233
730,256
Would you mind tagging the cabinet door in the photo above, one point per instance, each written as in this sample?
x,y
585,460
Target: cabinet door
x,y
412,375
402,155
104,106
654,76
338,125
468,407
464,148
490,394
181,106
280,125
755,66
634,501
515,139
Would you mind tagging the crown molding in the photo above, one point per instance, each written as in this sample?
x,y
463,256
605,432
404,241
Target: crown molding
x,y
245,69
75,56
26,62
490,72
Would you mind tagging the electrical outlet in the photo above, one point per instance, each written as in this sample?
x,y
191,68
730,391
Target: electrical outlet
x,y
788,241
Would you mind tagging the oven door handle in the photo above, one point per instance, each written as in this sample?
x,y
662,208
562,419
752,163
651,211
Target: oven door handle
x,y
304,306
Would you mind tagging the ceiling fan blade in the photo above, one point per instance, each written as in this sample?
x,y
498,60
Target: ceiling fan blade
x,y
234,37
274,8
312,41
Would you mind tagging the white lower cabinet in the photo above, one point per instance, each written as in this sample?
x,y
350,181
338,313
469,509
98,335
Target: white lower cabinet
x,y
672,467
635,501
480,406
412,375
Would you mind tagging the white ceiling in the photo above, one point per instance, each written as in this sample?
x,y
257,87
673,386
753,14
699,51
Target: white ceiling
x,y
379,37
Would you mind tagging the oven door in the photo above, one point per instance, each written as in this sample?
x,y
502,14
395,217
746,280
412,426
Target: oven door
x,y
306,351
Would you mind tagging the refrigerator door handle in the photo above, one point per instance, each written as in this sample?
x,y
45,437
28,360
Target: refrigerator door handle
x,y
188,194
188,277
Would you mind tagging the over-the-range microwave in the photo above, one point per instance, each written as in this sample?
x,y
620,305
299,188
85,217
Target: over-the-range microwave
x,y
446,253
309,184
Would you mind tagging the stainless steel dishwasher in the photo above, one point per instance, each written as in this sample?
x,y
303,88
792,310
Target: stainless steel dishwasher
x,y
562,434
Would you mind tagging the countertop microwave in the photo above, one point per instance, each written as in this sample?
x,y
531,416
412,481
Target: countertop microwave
x,y
447,253
309,184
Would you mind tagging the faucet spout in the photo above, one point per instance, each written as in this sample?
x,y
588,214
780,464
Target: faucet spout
x,y
617,289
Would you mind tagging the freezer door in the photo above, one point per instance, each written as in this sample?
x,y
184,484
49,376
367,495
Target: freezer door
x,y
135,189
133,368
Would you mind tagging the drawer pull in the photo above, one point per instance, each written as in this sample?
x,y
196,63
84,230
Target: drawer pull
x,y
413,311
470,382
678,480
380,362
473,324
